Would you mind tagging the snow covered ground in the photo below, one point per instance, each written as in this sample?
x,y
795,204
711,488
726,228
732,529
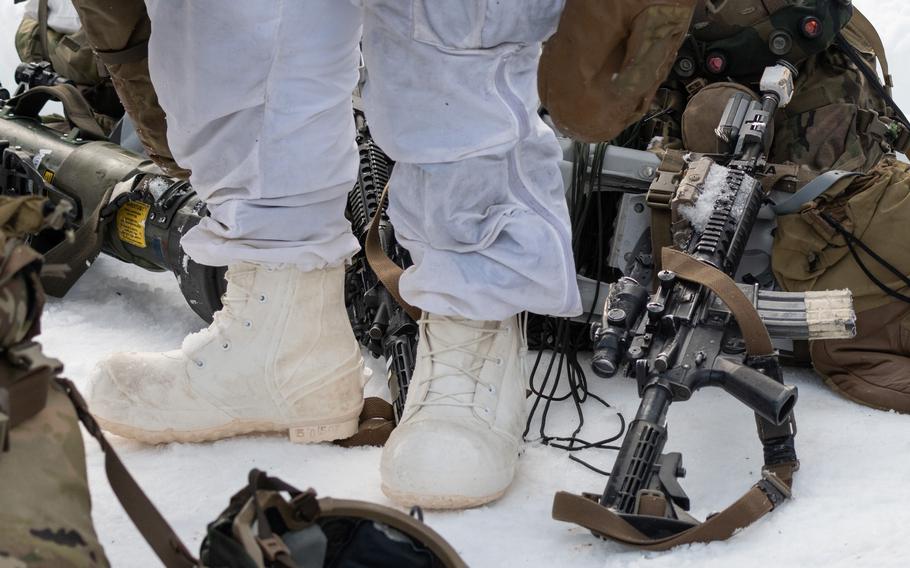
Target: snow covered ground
x,y
852,496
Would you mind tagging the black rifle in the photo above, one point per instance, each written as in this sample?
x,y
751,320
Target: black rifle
x,y
681,337
379,322
37,74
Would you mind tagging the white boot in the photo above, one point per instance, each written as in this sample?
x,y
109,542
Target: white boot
x,y
458,442
279,357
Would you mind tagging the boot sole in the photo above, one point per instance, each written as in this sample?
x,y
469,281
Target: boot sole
x,y
306,433
439,502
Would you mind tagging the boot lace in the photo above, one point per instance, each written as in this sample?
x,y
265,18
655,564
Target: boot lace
x,y
237,295
471,373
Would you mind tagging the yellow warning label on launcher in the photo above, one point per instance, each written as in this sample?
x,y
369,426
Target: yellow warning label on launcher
x,y
131,222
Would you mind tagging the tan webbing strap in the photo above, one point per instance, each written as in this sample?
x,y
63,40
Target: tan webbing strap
x,y
870,34
661,192
26,381
76,108
755,334
156,531
131,54
377,420
749,508
387,271
42,30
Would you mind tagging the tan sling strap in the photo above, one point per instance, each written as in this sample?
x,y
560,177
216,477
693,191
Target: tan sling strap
x,y
387,271
761,499
377,420
75,107
764,496
156,531
42,30
660,194
755,334
870,34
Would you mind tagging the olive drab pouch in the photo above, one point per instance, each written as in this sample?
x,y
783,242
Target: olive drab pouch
x,y
263,528
854,236
69,54
45,517
603,66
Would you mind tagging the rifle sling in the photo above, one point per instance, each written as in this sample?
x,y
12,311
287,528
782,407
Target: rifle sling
x,y
377,420
387,271
755,334
156,531
761,499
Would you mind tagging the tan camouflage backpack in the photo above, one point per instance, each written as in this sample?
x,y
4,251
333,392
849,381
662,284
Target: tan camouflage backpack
x,y
37,419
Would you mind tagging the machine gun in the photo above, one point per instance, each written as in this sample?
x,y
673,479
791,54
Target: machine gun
x,y
380,323
697,328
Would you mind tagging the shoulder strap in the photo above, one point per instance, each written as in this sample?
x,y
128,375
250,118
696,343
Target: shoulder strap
x,y
156,531
865,28
755,334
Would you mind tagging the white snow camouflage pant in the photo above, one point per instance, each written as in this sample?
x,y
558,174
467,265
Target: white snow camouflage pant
x,y
258,98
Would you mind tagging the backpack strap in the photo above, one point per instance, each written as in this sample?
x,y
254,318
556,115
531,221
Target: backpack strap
x,y
865,28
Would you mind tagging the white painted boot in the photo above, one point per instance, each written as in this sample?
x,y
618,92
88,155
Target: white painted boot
x,y
279,357
458,442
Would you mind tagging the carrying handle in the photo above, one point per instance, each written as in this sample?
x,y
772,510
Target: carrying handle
x,y
76,109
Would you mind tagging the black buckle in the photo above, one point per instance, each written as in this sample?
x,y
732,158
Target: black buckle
x,y
775,489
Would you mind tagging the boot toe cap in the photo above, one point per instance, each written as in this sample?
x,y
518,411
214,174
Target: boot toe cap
x,y
446,464
123,386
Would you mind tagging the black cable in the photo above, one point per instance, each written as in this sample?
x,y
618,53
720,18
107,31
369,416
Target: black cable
x,y
864,68
853,241
558,336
